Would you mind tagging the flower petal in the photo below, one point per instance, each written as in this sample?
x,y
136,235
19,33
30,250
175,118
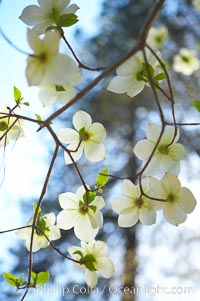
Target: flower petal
x,y
68,200
153,132
47,95
83,228
100,249
50,218
97,132
129,219
171,184
35,42
71,9
169,165
130,67
168,136
94,152
156,189
105,267
65,96
147,217
67,136
31,15
98,202
91,278
59,70
51,42
122,204
154,165
129,189
187,201
173,214
54,233
66,219
75,155
24,233
126,84
177,152
34,71
143,149
81,119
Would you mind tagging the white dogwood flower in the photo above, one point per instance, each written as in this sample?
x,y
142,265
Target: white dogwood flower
x,y
47,225
167,156
179,201
46,65
81,211
93,258
132,76
47,14
186,62
10,128
87,137
157,37
132,206
62,94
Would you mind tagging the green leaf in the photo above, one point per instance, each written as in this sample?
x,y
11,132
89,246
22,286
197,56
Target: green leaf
x,y
67,20
82,132
39,210
94,208
89,261
78,253
33,275
10,278
51,28
147,68
20,279
42,225
60,88
17,95
160,76
89,196
102,177
42,277
196,103
38,117
26,104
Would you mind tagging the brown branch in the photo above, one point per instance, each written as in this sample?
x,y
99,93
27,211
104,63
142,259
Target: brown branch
x,y
36,215
81,65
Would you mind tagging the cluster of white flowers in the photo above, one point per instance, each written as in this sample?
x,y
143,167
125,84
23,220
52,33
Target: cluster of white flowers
x,y
56,74
141,201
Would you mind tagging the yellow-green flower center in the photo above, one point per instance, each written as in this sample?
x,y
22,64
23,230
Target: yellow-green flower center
x,y
185,59
170,198
3,125
139,203
163,149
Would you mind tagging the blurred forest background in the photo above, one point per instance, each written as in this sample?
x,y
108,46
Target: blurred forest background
x,y
144,256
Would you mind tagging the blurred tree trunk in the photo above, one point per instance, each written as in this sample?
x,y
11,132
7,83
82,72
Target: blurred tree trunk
x,y
130,264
